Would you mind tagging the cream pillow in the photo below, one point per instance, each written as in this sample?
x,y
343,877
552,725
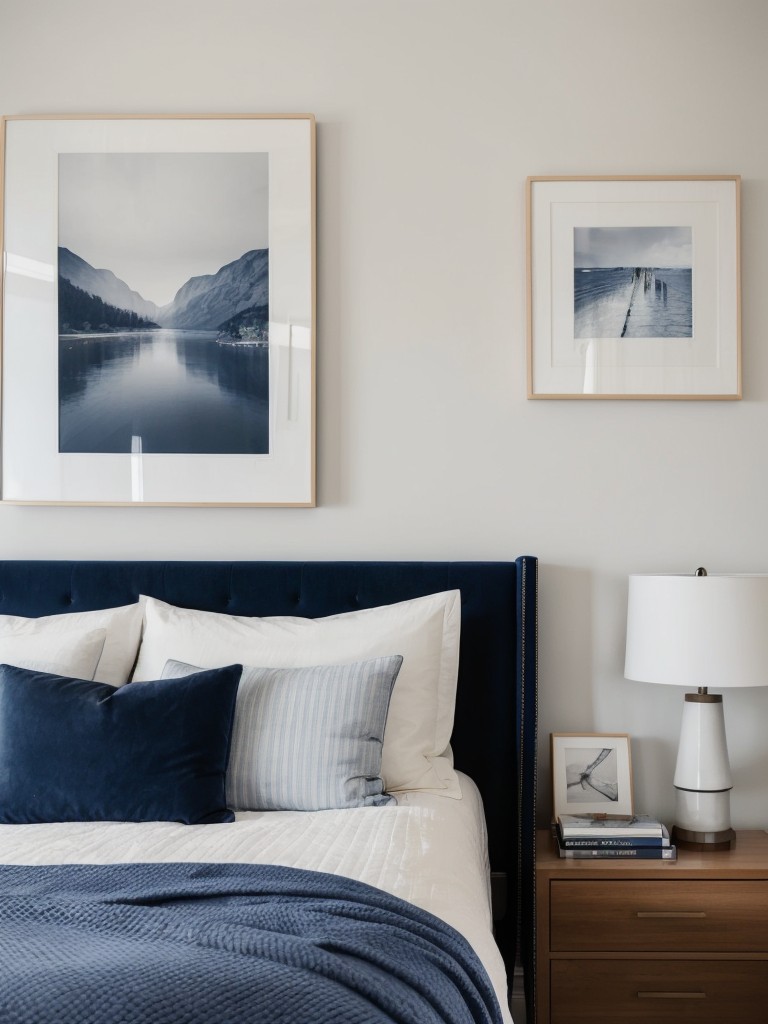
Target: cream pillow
x,y
75,653
425,631
122,627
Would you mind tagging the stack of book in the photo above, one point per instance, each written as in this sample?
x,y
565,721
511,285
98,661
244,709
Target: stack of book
x,y
612,835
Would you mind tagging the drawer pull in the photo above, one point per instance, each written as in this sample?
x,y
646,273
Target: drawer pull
x,y
671,995
671,913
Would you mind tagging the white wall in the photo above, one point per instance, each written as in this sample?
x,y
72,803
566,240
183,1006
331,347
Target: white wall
x,y
431,114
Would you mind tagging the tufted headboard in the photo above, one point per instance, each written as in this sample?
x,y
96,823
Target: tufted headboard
x,y
494,739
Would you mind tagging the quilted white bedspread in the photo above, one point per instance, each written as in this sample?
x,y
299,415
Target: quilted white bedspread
x,y
427,849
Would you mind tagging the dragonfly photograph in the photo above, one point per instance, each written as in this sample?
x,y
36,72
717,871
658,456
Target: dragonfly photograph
x,y
594,781
591,774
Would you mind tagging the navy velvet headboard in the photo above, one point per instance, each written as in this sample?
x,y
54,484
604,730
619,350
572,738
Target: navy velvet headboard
x,y
494,738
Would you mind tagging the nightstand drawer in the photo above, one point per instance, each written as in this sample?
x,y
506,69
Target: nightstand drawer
x,y
659,916
659,992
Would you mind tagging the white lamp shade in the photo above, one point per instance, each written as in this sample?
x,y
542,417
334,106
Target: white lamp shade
x,y
697,631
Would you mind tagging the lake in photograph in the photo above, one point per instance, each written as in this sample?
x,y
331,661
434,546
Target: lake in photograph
x,y
179,391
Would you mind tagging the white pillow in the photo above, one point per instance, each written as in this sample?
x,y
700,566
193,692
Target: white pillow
x,y
75,653
425,631
123,632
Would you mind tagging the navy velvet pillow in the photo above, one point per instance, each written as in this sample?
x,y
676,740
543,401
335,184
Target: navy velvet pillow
x,y
73,750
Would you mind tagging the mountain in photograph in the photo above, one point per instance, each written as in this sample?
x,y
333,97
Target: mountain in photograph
x,y
81,311
206,302
105,285
211,302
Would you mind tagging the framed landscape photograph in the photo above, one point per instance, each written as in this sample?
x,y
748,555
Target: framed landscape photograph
x,y
158,335
634,287
591,773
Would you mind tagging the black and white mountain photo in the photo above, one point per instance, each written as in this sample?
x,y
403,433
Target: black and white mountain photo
x,y
633,282
163,301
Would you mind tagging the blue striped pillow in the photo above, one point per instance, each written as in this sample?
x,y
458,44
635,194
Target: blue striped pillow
x,y
308,739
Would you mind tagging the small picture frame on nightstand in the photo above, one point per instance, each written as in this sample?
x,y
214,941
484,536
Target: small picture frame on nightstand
x,y
591,773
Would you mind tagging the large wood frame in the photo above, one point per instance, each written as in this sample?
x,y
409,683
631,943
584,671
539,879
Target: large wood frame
x,y
36,469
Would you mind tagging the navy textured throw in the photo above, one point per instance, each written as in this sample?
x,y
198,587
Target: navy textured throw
x,y
226,944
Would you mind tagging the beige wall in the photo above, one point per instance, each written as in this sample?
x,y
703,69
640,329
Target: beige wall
x,y
431,114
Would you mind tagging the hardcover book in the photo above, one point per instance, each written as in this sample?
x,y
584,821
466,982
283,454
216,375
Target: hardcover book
x,y
609,842
587,826
619,852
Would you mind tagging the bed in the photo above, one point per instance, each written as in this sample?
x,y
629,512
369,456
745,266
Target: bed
x,y
419,863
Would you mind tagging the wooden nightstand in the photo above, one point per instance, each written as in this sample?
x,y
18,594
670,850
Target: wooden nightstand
x,y
653,941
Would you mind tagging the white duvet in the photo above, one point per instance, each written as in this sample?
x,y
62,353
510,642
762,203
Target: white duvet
x,y
429,850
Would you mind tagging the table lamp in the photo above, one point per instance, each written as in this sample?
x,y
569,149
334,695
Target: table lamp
x,y
699,631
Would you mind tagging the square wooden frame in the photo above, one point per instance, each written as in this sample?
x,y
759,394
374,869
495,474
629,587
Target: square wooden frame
x,y
706,363
565,750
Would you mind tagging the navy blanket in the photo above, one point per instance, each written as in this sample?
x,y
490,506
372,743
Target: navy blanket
x,y
226,944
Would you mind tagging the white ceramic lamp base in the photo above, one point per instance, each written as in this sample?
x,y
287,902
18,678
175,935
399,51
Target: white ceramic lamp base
x,y
703,820
703,776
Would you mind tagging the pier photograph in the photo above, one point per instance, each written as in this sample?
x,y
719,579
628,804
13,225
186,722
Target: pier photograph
x,y
633,282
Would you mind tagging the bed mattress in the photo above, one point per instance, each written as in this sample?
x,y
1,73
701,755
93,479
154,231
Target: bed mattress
x,y
427,849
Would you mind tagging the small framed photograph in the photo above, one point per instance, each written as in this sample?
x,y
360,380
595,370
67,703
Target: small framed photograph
x,y
591,773
634,287
158,293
